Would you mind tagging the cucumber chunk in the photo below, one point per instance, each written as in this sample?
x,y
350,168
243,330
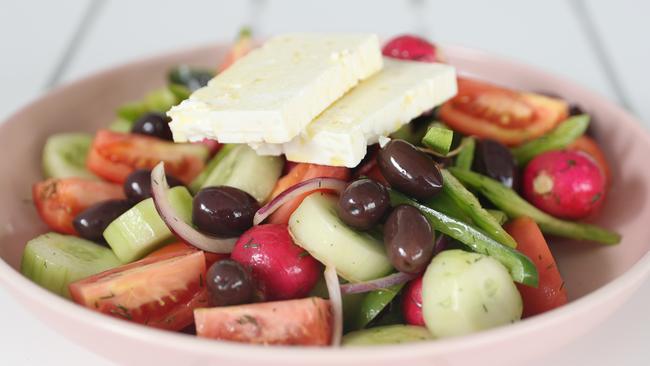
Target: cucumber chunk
x,y
53,261
390,334
316,227
140,230
242,168
64,155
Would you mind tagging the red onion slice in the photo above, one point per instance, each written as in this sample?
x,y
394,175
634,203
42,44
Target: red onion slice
x,y
298,190
336,302
180,228
378,284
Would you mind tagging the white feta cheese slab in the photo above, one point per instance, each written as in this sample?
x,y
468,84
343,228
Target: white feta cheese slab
x,y
378,106
271,94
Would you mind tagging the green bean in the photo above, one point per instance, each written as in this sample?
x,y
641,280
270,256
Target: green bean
x,y
438,139
465,158
472,207
563,135
514,206
499,215
520,267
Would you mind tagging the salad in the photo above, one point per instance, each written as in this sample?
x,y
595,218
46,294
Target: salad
x,y
438,229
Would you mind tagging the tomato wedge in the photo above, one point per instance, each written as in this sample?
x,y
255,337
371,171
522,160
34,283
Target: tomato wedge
x,y
114,155
290,322
160,292
508,116
59,200
551,292
300,173
589,146
180,247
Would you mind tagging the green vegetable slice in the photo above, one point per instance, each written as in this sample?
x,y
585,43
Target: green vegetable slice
x,y
520,267
472,207
389,334
563,135
514,206
438,139
374,302
465,157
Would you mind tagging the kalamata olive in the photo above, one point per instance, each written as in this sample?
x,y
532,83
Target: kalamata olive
x,y
409,170
496,161
223,211
153,124
409,239
91,222
229,283
363,203
137,186
189,77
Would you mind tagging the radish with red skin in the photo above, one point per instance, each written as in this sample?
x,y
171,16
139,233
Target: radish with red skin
x,y
565,184
281,269
412,303
409,47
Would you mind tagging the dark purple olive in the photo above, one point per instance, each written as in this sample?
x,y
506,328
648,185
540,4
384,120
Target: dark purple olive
x,y
137,186
363,203
409,170
91,222
409,239
229,283
496,161
223,211
153,124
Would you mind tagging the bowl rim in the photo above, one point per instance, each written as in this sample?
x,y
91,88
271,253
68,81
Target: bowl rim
x,y
626,282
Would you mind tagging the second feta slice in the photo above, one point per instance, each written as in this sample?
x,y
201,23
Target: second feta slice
x,y
378,106
271,94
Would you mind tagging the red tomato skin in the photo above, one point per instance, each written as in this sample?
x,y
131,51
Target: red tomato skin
x,y
551,292
115,155
565,184
139,292
59,200
589,146
412,303
300,173
180,247
282,269
511,117
410,47
305,322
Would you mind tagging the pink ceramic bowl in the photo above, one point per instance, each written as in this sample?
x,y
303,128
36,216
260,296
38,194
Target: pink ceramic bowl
x,y
599,279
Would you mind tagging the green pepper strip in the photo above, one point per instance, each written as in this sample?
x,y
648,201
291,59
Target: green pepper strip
x,y
438,139
514,206
465,158
499,215
520,267
472,207
563,135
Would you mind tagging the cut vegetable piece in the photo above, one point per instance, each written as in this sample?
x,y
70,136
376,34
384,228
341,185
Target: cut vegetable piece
x,y
464,292
551,292
562,136
242,168
179,248
589,146
499,215
121,125
514,206
511,117
316,227
373,304
140,230
200,179
113,156
58,201
520,267
438,139
160,292
472,207
389,334
159,100
53,261
291,322
64,156
465,157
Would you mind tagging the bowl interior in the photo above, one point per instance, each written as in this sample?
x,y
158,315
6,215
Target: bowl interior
x,y
90,104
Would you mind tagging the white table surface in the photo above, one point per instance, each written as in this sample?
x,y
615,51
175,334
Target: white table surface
x,y
600,43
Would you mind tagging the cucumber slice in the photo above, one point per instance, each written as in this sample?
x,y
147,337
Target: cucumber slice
x,y
140,230
200,180
316,227
64,155
54,261
390,334
242,168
